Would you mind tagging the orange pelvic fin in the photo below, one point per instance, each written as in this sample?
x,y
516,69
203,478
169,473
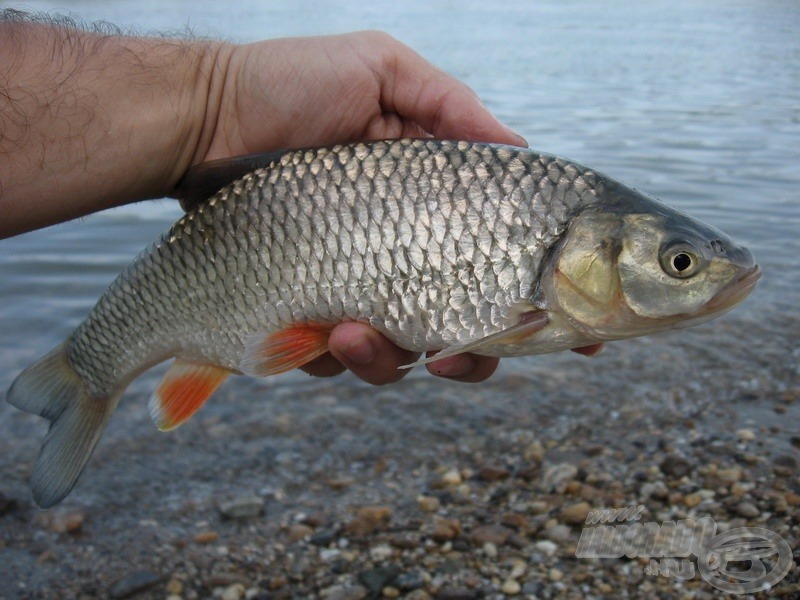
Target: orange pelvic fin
x,y
284,350
185,388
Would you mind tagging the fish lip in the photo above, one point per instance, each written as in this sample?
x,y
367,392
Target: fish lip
x,y
736,291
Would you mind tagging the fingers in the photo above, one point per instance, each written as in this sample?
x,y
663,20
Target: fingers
x,y
376,360
418,91
467,368
368,354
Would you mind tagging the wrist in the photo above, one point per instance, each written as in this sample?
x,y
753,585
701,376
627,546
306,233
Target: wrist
x,y
92,120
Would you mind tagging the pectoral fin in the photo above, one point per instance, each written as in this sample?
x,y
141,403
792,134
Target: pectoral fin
x,y
185,388
272,353
530,323
204,180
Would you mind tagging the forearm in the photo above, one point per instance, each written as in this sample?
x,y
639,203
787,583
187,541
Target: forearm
x,y
89,121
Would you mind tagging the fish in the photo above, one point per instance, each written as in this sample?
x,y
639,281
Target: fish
x,y
447,246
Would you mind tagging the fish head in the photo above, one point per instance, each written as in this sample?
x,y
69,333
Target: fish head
x,y
630,265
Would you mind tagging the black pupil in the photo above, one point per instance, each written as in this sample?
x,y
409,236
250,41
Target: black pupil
x,y
681,262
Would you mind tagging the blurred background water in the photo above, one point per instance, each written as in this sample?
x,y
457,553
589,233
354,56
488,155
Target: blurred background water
x,y
696,102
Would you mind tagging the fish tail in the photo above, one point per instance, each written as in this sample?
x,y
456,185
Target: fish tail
x,y
53,389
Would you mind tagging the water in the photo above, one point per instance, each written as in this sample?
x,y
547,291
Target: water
x,y
696,102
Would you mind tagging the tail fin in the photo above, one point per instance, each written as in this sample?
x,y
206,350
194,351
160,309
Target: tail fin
x,y
53,389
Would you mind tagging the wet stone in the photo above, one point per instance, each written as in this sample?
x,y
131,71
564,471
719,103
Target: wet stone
x,y
134,583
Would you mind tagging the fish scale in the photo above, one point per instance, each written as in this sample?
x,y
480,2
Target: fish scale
x,y
439,245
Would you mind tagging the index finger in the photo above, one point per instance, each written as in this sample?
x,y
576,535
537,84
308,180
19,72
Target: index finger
x,y
444,106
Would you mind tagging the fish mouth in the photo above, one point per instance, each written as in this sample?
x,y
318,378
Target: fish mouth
x,y
736,291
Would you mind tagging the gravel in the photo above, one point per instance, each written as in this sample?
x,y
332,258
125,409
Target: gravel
x,y
304,488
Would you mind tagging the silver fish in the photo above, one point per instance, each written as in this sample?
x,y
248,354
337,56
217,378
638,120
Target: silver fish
x,y
440,245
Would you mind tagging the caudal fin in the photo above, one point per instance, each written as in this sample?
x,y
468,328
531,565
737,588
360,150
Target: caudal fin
x,y
53,389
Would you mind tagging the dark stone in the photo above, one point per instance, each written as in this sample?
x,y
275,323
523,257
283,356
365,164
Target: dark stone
x,y
323,537
378,578
407,582
134,583
7,505
675,466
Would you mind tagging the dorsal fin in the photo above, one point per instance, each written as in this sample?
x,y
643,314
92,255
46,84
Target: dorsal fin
x,y
204,180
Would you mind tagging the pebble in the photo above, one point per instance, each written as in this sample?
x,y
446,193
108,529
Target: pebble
x,y
454,593
428,503
730,475
675,466
692,500
493,473
380,553
205,537
298,532
445,530
546,547
654,489
174,587
511,587
556,477
242,507
518,569
575,514
747,510
745,435
390,592
136,582
368,519
555,574
409,581
557,533
323,537
234,591
378,578
66,521
495,534
451,478
340,592
7,505
418,595
784,465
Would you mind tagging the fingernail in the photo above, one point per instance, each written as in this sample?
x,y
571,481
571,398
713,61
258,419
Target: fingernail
x,y
456,366
361,353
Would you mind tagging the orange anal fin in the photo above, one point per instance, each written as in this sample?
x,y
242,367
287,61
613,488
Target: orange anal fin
x,y
183,390
272,353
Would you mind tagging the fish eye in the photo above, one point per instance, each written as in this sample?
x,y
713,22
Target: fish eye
x,y
681,260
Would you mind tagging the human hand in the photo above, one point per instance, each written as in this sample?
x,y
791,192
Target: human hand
x,y
293,93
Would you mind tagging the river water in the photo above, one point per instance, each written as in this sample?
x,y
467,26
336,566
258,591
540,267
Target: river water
x,y
695,102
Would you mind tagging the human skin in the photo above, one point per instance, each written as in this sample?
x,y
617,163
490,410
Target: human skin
x,y
90,120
